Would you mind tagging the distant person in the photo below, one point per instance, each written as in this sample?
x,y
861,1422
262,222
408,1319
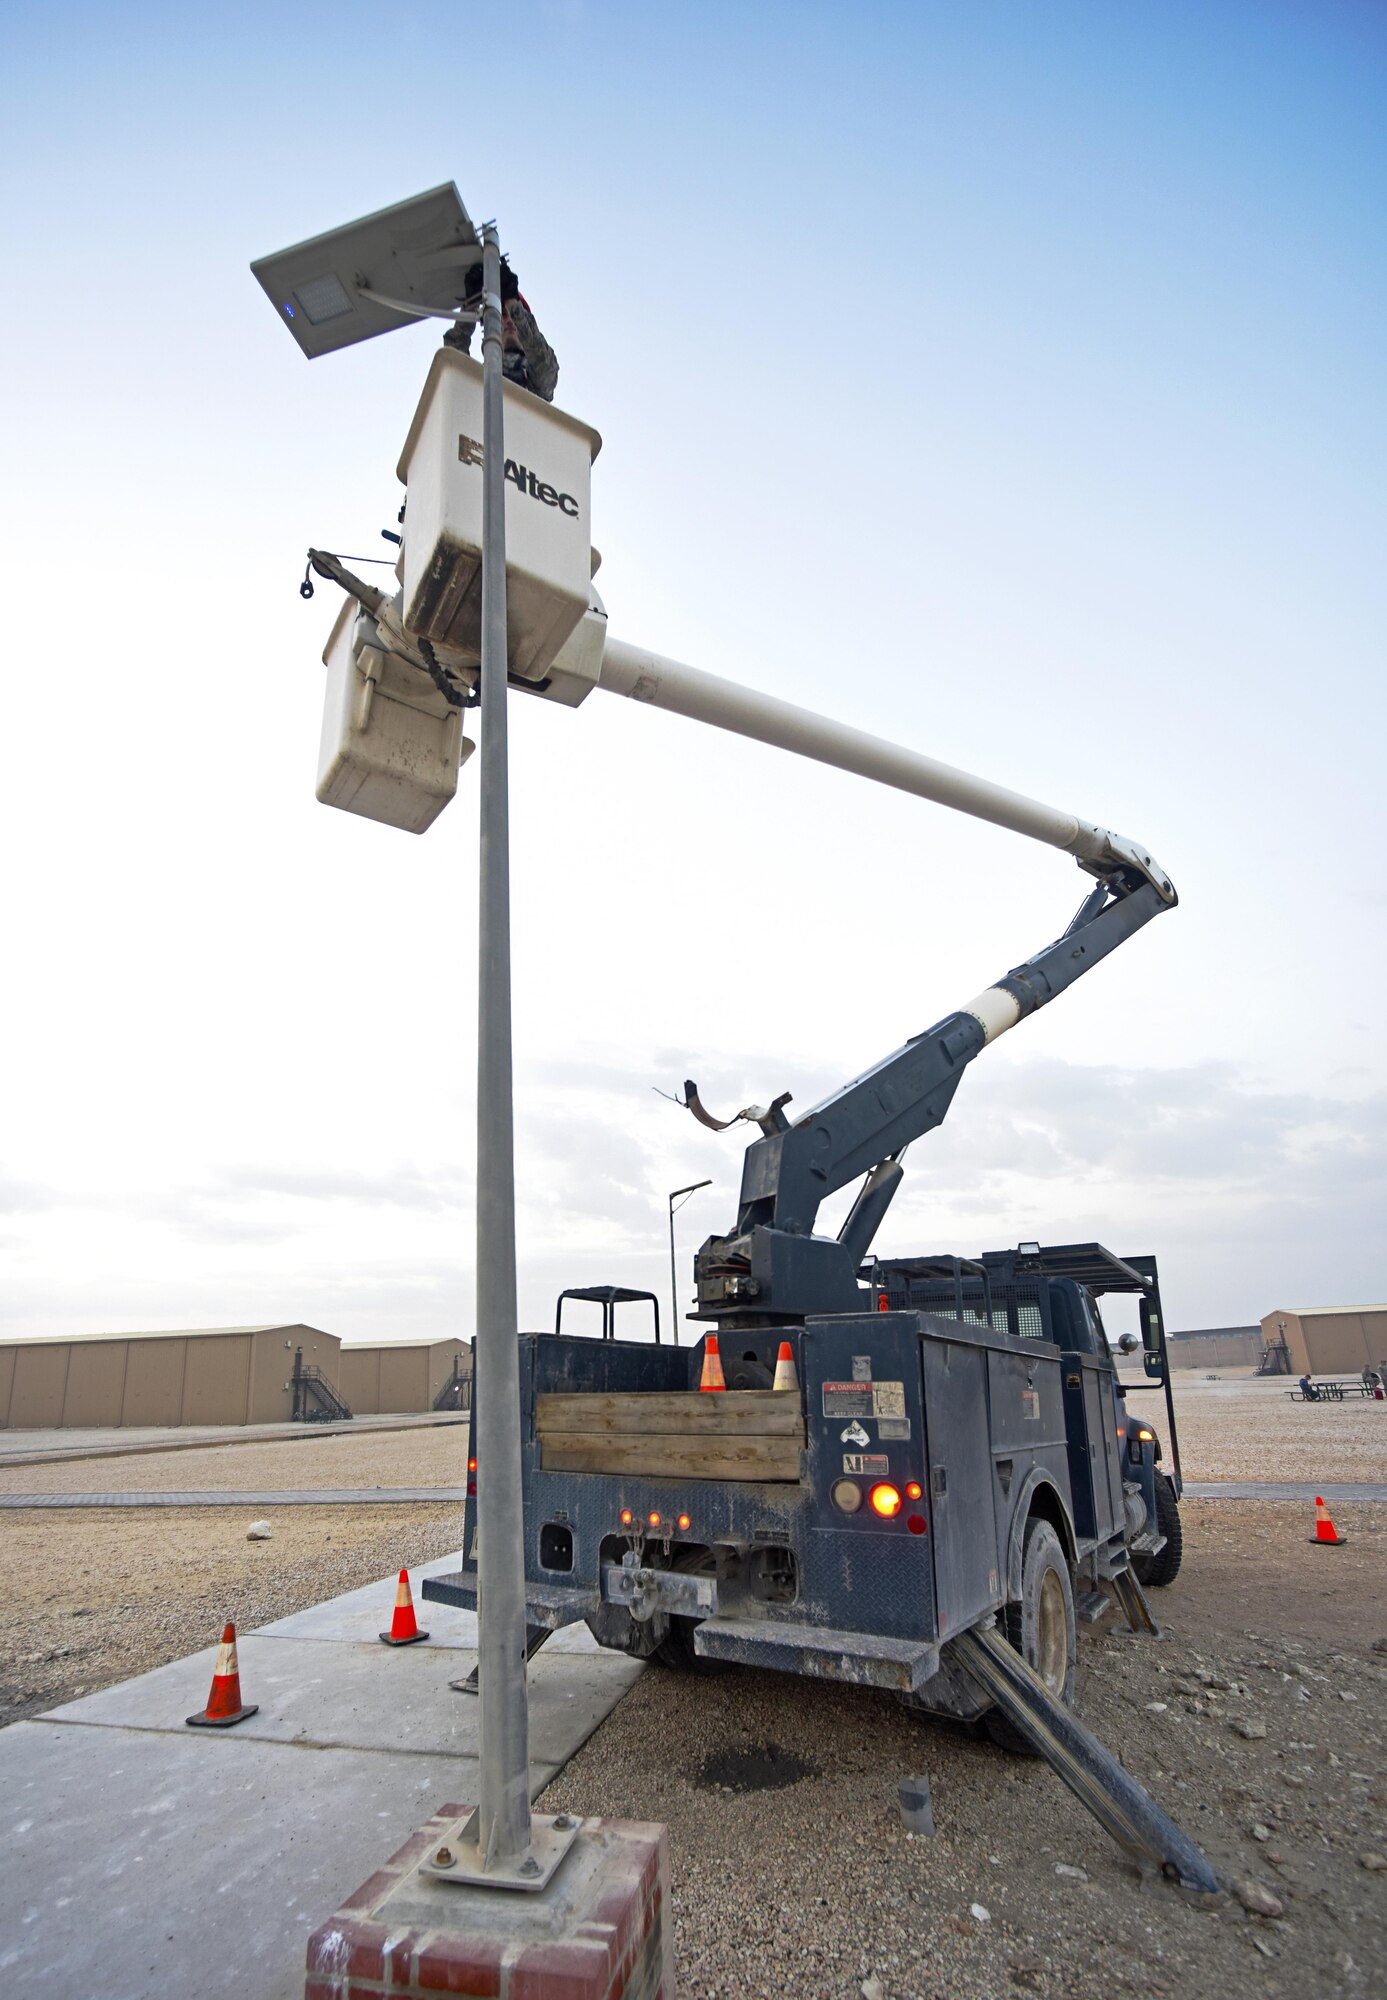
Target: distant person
x,y
1308,1390
527,359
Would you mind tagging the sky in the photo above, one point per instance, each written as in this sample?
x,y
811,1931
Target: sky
x,y
1004,380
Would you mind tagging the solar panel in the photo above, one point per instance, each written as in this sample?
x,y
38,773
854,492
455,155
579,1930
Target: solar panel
x,y
383,271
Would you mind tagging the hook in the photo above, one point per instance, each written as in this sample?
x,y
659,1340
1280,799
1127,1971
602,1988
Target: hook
x,y
306,587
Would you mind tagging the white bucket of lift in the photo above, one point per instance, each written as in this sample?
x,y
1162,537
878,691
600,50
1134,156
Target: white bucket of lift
x,y
548,521
391,745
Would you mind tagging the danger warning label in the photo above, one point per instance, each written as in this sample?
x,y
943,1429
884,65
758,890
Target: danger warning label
x,y
848,1399
864,1399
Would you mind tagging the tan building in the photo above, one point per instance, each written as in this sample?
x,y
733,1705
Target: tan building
x,y
223,1375
1216,1347
399,1376
1330,1340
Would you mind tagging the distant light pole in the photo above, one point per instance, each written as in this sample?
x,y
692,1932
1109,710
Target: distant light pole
x,y
677,1200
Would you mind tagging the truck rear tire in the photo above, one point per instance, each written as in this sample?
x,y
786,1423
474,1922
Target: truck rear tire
x,y
1041,1626
676,1650
1164,1566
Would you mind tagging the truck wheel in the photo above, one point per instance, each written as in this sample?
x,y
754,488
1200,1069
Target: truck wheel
x,y
1164,1566
676,1650
1041,1627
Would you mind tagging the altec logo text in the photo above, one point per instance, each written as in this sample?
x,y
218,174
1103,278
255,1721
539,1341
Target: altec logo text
x,y
470,452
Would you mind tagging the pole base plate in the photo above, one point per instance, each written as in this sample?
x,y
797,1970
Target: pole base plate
x,y
456,1857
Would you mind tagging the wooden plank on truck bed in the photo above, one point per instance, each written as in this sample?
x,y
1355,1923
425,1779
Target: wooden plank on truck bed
x,y
665,1456
682,1413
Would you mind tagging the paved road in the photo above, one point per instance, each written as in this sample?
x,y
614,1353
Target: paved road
x,y
54,1447
1282,1489
415,1496
331,1496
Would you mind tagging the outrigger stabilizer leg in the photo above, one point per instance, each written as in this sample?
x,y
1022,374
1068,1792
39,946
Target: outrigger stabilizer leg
x,y
1119,1804
1127,1589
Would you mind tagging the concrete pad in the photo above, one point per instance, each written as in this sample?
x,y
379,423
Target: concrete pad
x,y
362,1614
142,1866
144,1858
364,1696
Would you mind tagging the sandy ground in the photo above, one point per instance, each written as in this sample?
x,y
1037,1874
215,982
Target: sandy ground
x,y
1229,1429
431,1457
92,1598
813,1890
1250,1429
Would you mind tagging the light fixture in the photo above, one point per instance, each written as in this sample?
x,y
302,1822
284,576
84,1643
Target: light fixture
x,y
385,270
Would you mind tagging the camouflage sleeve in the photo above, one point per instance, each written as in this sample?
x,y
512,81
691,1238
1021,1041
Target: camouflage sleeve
x,y
541,364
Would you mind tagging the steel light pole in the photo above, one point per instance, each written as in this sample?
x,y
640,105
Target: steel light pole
x,y
322,291
676,1201
503,1830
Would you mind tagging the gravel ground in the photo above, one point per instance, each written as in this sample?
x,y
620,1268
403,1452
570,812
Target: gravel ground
x,y
1250,1429
90,1599
813,1890
429,1457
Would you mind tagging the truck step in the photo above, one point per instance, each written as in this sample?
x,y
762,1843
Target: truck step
x,y
1092,1605
819,1652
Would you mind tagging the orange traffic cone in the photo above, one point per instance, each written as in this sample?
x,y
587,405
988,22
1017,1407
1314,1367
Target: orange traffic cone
x,y
712,1365
404,1629
1325,1530
785,1376
224,1705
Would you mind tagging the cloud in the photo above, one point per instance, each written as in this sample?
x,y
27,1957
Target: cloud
x,y
1251,1198
20,1196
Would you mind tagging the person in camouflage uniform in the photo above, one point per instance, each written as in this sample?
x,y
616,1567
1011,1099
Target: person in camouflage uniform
x,y
527,359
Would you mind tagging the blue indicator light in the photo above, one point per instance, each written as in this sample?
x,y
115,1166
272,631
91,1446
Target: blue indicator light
x,y
290,310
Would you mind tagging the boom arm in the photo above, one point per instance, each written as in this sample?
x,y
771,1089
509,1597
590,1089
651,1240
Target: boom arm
x,y
773,1266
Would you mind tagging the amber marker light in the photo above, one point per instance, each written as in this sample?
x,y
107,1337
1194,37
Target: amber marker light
x,y
914,1491
627,1517
885,1500
684,1522
471,1465
1147,1437
654,1520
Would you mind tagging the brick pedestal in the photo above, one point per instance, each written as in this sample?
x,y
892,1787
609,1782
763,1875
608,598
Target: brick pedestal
x,y
599,1931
